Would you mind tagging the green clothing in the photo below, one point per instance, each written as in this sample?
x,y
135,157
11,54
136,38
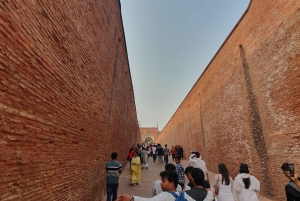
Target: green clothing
x,y
112,172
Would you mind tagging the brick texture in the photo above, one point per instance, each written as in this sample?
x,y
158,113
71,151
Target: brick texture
x,y
245,107
66,98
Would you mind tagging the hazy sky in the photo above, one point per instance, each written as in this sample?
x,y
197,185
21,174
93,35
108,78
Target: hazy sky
x,y
169,44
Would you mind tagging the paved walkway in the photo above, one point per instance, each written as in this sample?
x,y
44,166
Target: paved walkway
x,y
148,177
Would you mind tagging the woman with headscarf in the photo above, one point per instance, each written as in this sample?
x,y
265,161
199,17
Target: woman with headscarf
x,y
245,185
135,170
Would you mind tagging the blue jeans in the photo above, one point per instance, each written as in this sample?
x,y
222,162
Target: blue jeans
x,y
111,189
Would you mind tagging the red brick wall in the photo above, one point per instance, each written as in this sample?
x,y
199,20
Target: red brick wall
x,y
66,98
245,107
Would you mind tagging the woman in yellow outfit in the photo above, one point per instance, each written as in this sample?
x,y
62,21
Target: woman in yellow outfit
x,y
135,170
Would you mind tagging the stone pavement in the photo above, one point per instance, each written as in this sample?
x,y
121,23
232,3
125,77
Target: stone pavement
x,y
148,177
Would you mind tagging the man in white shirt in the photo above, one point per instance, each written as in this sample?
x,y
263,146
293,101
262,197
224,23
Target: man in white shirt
x,y
154,152
156,186
193,151
169,182
196,162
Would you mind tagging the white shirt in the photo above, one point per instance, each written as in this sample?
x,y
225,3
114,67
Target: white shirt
x,y
243,194
153,150
157,188
197,163
225,191
164,196
187,187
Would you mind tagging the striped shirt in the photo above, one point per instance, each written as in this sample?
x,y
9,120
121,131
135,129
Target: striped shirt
x,y
112,172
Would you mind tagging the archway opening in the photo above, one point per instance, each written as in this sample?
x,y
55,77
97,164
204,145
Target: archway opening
x,y
149,140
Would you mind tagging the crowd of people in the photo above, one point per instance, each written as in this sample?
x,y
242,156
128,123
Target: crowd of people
x,y
244,187
156,151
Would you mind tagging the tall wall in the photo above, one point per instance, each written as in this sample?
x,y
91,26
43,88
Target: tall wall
x,y
66,98
245,107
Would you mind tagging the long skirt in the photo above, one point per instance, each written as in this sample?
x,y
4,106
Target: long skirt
x,y
135,171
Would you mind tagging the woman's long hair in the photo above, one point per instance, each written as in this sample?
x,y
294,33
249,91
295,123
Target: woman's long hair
x,y
244,169
224,172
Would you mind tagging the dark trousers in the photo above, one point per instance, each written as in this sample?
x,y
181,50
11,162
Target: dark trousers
x,y
173,157
166,159
154,157
182,185
111,189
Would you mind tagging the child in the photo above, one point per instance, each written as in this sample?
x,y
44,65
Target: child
x,y
180,171
168,184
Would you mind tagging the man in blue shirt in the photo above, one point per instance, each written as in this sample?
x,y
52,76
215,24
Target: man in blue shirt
x,y
113,170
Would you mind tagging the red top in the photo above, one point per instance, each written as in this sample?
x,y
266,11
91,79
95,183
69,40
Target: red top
x,y
130,154
173,151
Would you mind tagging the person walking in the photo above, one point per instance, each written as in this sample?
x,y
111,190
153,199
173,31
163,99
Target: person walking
x,y
223,184
160,153
180,171
173,152
135,170
195,161
156,186
154,152
166,154
199,193
113,171
148,152
130,155
180,151
140,153
169,182
145,158
292,189
190,185
245,185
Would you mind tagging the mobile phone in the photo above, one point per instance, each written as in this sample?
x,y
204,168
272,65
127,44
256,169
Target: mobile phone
x,y
291,169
